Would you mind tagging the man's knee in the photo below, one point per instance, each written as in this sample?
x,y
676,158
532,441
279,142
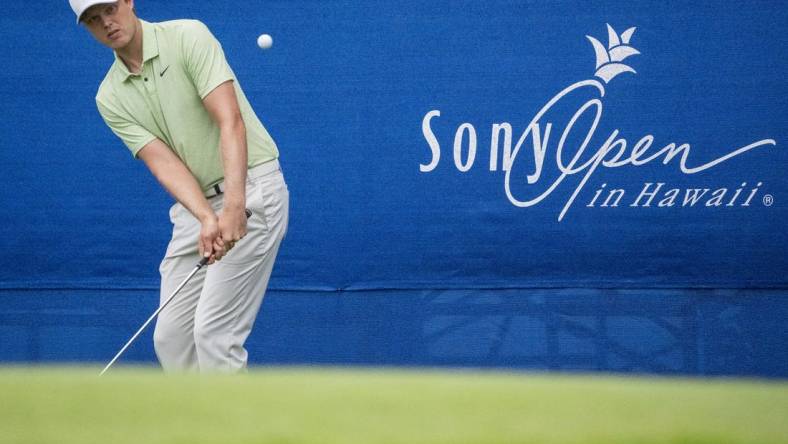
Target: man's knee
x,y
174,348
206,336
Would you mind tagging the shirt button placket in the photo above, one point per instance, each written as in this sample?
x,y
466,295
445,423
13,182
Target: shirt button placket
x,y
147,77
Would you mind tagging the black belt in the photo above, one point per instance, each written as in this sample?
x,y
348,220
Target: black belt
x,y
215,190
254,172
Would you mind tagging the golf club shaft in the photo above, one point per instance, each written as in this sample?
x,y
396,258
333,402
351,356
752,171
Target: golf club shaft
x,y
156,313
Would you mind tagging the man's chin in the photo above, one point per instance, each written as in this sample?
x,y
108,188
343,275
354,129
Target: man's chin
x,y
117,44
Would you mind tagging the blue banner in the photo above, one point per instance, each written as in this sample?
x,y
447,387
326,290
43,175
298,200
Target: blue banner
x,y
468,145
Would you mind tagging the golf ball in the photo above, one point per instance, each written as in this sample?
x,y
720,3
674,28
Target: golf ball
x,y
265,41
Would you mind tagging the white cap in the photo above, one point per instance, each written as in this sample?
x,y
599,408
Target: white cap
x,y
80,6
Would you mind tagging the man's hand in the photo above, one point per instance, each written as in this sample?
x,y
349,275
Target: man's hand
x,y
211,243
232,226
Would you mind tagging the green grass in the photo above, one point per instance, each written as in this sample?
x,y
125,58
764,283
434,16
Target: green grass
x,y
317,405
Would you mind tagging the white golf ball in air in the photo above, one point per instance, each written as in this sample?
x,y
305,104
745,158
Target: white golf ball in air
x,y
265,41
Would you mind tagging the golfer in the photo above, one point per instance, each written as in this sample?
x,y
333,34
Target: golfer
x,y
173,100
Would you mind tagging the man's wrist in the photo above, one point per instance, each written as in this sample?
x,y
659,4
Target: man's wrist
x,y
236,204
207,216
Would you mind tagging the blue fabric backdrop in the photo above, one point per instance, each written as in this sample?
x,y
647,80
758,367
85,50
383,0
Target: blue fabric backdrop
x,y
361,95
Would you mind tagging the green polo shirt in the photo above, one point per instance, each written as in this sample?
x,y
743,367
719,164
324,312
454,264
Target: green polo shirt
x,y
182,63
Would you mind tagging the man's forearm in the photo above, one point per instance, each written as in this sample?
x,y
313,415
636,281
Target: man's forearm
x,y
234,159
176,178
222,105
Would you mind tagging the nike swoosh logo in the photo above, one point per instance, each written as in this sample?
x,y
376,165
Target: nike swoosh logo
x,y
161,74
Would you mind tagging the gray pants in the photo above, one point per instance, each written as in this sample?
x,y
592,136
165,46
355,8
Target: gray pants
x,y
204,328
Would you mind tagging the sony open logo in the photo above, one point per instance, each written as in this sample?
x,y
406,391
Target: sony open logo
x,y
568,144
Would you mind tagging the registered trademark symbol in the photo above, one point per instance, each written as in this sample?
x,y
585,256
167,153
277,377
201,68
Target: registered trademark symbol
x,y
768,200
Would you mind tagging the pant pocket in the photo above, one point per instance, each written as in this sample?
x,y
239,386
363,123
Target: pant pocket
x,y
268,202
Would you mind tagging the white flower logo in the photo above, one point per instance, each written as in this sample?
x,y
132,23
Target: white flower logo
x,y
608,60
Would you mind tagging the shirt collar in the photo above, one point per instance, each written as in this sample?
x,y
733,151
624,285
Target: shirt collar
x,y
150,49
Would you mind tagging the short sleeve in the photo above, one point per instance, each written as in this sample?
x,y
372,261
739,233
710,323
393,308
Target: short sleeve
x,y
204,58
131,133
